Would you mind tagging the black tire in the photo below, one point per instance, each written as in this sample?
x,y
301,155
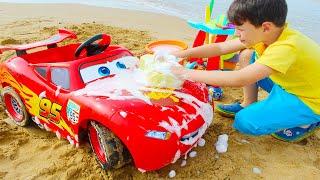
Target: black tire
x,y
16,110
108,149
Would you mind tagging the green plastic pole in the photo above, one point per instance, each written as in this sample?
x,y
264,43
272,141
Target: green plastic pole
x,y
211,6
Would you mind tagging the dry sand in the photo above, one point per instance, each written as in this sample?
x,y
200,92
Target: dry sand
x,y
31,153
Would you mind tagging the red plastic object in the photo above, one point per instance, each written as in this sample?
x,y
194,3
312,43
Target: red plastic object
x,y
59,109
199,41
52,41
214,62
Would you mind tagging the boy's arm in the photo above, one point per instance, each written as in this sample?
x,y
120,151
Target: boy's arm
x,y
211,50
239,78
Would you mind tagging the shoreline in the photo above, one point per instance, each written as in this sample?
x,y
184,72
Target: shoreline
x,y
161,26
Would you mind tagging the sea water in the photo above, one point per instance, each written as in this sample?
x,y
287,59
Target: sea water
x,y
303,15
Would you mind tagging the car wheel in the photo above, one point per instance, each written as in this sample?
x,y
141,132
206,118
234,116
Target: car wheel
x,y
16,110
108,149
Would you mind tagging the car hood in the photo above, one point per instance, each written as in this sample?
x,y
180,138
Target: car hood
x,y
173,110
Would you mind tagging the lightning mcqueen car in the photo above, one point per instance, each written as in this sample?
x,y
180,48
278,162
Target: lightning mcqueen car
x,y
90,88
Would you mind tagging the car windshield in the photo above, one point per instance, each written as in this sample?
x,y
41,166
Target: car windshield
x,y
95,70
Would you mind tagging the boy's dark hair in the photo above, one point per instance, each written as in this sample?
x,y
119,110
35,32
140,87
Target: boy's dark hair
x,y
258,12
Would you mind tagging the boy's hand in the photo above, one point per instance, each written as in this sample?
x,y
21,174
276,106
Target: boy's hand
x,y
180,72
163,56
176,54
180,56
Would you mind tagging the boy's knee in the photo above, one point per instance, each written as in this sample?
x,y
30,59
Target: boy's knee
x,y
245,57
246,123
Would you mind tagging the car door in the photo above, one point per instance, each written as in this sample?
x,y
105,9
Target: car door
x,y
53,105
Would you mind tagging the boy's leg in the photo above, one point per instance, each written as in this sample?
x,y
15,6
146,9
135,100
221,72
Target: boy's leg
x,y
246,57
250,92
279,111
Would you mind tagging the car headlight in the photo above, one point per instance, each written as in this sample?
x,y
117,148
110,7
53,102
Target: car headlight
x,y
158,135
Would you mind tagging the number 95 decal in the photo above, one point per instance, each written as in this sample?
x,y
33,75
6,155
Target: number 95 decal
x,y
50,110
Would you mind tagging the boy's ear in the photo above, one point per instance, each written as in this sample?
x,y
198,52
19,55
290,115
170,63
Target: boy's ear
x,y
267,26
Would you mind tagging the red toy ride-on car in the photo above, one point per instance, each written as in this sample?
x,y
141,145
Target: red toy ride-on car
x,y
94,88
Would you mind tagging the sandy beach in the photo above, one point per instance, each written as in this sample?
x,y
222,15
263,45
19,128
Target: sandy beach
x,y
31,153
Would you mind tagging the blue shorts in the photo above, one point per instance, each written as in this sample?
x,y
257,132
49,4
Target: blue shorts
x,y
280,110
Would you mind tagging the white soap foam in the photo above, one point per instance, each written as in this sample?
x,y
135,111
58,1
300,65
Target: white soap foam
x,y
57,91
172,174
158,70
201,142
142,170
183,163
58,134
42,94
222,143
193,154
176,156
46,127
256,170
123,114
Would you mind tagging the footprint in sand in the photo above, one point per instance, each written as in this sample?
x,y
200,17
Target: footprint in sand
x,y
316,163
10,41
3,174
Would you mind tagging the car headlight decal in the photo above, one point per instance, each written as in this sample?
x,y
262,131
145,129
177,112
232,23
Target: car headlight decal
x,y
158,135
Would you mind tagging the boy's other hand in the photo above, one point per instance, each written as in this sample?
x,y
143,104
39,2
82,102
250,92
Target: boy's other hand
x,y
179,71
179,54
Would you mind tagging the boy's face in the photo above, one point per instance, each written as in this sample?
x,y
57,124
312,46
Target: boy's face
x,y
249,35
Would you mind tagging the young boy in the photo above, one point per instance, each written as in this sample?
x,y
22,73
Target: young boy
x,y
282,61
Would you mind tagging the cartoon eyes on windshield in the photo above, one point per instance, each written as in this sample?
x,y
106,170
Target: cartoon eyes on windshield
x,y
121,65
92,71
104,71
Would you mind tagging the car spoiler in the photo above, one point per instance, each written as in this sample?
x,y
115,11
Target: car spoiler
x,y
50,42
